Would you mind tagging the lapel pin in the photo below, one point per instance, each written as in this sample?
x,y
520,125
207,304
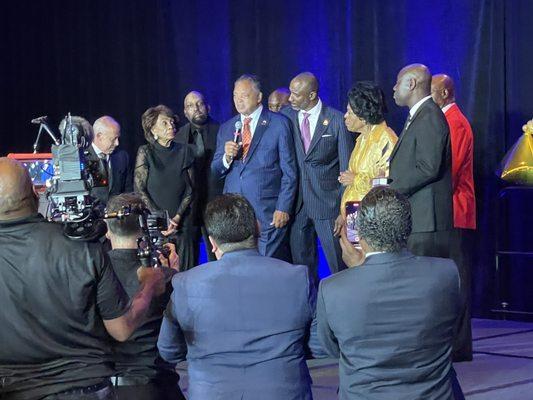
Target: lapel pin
x,y
263,122
326,122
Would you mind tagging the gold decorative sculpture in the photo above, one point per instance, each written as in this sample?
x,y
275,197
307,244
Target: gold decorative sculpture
x,y
518,162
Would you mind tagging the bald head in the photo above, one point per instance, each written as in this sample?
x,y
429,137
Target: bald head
x,y
106,134
412,84
442,90
195,108
17,197
278,98
304,91
193,96
308,79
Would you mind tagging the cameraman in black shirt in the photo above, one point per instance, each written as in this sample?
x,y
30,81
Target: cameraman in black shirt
x,y
141,373
60,301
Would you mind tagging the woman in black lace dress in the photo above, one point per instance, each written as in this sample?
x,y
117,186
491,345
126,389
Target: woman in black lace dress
x,y
163,176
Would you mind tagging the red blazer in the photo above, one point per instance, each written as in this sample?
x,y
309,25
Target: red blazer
x,y
462,143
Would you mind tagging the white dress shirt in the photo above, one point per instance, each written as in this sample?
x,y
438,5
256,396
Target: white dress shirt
x,y
371,253
255,118
313,117
446,108
98,152
414,109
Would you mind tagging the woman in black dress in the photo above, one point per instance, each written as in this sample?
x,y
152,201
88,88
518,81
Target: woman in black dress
x,y
163,175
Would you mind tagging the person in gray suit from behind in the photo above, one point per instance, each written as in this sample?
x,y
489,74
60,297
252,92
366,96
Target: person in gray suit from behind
x,y
241,321
390,318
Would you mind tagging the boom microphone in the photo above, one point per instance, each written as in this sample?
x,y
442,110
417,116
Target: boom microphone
x,y
39,120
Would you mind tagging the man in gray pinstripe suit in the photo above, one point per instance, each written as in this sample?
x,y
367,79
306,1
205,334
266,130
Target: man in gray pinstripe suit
x,y
323,147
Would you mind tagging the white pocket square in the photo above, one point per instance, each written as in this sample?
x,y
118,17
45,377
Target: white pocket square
x,y
327,135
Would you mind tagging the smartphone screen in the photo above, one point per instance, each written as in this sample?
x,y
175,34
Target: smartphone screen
x,y
351,221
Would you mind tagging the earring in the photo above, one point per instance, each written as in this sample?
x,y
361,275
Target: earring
x,y
156,137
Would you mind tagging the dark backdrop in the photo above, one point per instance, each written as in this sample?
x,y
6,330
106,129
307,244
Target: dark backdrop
x,y
120,57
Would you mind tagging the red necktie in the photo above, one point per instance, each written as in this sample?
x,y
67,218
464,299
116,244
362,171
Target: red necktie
x,y
246,137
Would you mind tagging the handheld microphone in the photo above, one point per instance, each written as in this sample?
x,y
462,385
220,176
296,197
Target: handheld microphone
x,y
236,136
237,133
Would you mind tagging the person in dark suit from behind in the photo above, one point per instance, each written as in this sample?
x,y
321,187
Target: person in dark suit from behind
x,y
464,202
323,147
390,317
201,133
242,321
110,165
140,373
420,164
259,163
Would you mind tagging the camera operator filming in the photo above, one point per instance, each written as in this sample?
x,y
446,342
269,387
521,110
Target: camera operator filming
x,y
140,373
60,302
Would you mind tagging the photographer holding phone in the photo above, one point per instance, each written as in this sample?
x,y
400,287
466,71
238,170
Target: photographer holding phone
x,y
390,320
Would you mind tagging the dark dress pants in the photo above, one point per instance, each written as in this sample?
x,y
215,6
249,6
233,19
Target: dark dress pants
x,y
103,391
150,391
461,253
303,235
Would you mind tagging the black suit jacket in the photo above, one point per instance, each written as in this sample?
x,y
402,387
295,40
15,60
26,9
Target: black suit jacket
x,y
420,168
207,186
329,153
121,176
391,323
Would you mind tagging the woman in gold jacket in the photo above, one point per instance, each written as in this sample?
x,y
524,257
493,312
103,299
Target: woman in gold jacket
x,y
370,156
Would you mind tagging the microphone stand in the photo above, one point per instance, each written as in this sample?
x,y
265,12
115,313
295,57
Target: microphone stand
x,y
44,126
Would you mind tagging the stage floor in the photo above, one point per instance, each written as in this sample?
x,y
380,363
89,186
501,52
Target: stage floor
x,y
502,366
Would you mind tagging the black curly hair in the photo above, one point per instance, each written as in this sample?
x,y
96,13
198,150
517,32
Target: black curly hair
x,y
367,101
384,219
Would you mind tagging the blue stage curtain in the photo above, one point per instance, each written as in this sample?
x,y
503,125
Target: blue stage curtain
x,y
120,57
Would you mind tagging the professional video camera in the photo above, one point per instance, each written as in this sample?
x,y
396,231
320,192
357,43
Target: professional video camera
x,y
69,189
152,242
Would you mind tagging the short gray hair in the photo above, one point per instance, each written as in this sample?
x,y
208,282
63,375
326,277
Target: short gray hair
x,y
253,79
384,219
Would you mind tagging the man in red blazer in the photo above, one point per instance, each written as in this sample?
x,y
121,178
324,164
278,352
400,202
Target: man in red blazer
x,y
464,201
